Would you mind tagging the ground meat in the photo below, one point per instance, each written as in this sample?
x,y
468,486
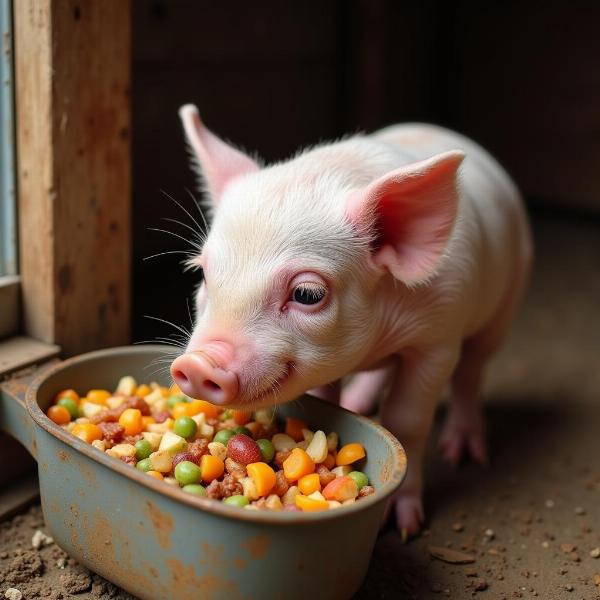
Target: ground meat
x,y
280,457
112,414
325,475
197,449
132,439
223,489
111,432
129,460
235,469
366,490
161,416
281,484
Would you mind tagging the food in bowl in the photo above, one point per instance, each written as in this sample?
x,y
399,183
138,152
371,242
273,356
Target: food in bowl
x,y
242,458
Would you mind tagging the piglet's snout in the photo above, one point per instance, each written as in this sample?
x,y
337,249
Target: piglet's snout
x,y
201,374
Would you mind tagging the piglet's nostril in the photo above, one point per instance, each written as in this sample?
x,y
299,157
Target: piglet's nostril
x,y
211,385
180,377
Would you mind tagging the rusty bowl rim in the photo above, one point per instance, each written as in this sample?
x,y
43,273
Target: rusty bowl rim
x,y
397,470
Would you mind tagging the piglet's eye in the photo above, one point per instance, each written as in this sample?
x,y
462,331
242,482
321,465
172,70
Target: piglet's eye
x,y
309,293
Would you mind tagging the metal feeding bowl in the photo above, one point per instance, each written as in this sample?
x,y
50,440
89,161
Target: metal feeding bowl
x,y
159,542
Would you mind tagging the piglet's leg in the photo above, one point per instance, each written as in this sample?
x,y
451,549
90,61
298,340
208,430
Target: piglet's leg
x,y
365,389
408,413
464,427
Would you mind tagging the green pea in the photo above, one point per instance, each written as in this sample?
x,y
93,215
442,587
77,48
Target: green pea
x,y
187,472
360,479
143,449
185,427
194,488
237,500
266,449
173,400
144,465
242,429
226,414
223,436
70,405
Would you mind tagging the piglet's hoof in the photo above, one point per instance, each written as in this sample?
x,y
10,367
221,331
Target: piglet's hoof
x,y
408,509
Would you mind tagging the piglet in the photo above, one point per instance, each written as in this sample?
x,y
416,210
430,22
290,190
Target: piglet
x,y
400,256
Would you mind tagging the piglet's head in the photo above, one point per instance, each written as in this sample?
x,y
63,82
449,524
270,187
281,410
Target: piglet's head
x,y
293,261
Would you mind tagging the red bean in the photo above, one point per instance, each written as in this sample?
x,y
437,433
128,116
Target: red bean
x,y
243,449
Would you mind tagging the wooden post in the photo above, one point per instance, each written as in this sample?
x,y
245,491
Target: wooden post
x,y
72,69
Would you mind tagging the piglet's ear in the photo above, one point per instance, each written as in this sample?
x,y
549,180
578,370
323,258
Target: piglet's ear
x,y
411,212
220,163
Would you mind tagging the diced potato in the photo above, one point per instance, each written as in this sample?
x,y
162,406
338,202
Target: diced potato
x,y
249,488
283,442
251,507
99,444
127,385
317,449
342,471
219,450
152,438
334,503
317,496
89,409
163,427
290,496
349,501
307,434
82,420
200,419
171,481
172,443
206,431
265,416
121,450
154,396
115,401
303,444
332,441
161,461
273,502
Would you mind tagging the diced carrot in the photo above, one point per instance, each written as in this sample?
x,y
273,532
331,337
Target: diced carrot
x,y
131,421
263,476
67,394
59,414
174,390
98,396
294,427
329,461
340,489
349,454
180,410
88,432
212,467
310,504
309,484
196,407
147,421
241,417
142,390
297,464
156,474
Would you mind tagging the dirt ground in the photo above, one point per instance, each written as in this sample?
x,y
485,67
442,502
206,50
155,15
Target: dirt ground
x,y
530,522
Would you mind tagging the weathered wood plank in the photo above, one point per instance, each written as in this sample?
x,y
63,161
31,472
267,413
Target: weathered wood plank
x,y
72,75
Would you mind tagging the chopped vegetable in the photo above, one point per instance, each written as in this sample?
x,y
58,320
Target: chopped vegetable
x,y
297,464
349,454
294,427
59,414
263,476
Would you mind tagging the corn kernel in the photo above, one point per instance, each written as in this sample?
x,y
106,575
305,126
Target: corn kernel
x,y
217,449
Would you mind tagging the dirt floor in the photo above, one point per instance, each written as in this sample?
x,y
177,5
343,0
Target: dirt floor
x,y
530,523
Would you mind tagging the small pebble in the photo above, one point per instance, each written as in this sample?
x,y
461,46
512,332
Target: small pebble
x,y
549,503
13,594
595,553
40,539
479,584
569,587
457,526
579,510
489,534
